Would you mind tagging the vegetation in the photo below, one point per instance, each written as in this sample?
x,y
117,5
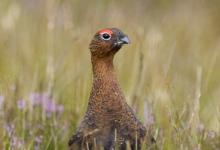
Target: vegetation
x,y
169,73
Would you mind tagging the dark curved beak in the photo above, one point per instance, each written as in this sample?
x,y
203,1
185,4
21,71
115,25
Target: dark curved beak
x,y
123,40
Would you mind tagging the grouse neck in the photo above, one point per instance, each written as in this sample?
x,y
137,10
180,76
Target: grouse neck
x,y
103,68
105,88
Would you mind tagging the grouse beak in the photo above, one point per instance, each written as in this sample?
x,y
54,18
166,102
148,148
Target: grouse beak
x,y
123,40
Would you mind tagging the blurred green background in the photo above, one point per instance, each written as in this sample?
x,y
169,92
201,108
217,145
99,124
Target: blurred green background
x,y
169,73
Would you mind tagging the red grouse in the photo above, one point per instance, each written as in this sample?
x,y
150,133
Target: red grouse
x,y
109,121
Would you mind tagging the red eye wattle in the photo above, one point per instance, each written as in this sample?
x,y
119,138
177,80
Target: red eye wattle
x,y
105,31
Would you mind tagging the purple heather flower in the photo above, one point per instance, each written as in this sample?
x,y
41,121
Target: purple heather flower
x,y
211,134
2,99
17,142
49,106
60,109
39,98
149,118
38,139
35,99
37,147
10,129
37,142
21,104
200,128
14,140
46,102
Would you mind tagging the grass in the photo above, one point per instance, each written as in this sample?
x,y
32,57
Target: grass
x,y
169,74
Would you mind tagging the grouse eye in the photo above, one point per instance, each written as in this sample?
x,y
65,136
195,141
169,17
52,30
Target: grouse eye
x,y
105,36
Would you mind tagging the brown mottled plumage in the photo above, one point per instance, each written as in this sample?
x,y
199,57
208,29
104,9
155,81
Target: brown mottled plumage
x,y
109,121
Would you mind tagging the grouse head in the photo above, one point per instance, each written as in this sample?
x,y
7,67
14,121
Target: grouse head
x,y
107,42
